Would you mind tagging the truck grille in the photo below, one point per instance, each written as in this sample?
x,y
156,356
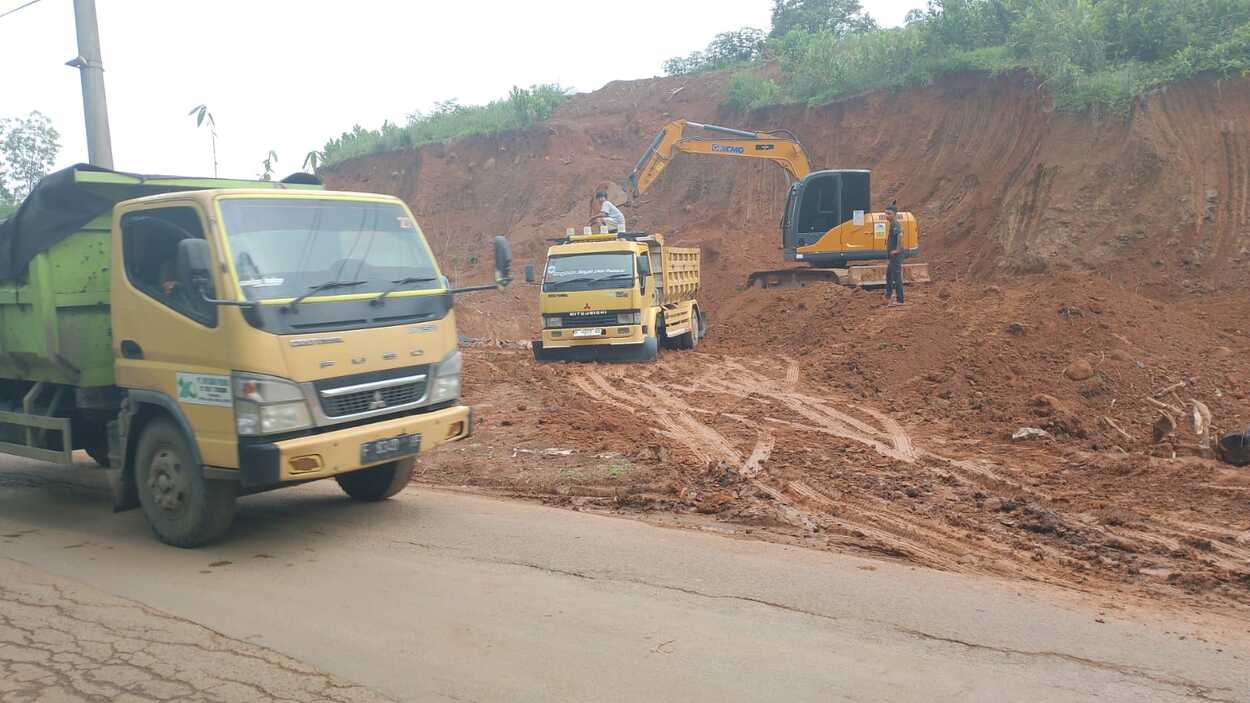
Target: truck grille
x,y
379,390
592,319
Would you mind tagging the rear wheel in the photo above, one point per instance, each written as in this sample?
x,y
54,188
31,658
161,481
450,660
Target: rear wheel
x,y
690,339
181,506
377,483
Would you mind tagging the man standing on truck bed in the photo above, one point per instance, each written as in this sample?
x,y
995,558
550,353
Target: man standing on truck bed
x,y
606,213
894,250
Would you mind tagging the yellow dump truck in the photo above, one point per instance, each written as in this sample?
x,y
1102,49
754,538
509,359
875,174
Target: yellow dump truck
x,y
617,297
203,339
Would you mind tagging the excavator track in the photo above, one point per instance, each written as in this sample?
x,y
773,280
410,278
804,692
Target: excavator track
x,y
863,276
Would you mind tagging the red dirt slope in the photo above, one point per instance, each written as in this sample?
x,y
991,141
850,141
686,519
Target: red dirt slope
x,y
818,416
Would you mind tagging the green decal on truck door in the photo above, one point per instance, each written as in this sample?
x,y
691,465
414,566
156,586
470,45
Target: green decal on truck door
x,y
202,389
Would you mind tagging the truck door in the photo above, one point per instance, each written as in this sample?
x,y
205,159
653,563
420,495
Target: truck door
x,y
167,339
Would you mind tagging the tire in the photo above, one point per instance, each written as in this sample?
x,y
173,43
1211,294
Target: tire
x,y
377,483
690,340
182,508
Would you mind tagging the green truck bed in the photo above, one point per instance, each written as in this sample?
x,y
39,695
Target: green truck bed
x,y
54,315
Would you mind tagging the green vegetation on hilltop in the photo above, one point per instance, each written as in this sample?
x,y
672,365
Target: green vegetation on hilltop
x,y
1100,54
449,120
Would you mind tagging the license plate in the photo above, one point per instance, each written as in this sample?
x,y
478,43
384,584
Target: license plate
x,y
380,450
589,332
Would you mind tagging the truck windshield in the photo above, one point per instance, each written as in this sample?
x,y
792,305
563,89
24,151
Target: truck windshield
x,y
589,272
284,248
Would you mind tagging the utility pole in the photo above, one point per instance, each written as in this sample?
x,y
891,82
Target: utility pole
x,y
91,67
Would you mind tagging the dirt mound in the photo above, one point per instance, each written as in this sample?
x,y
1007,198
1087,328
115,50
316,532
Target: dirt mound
x,y
1091,284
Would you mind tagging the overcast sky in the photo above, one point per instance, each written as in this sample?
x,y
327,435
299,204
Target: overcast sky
x,y
288,74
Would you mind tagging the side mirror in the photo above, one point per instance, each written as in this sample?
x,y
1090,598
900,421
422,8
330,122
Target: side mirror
x,y
503,261
644,268
503,269
195,265
529,273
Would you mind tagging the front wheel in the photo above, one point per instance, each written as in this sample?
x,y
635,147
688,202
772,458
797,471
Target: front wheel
x,y
182,507
377,483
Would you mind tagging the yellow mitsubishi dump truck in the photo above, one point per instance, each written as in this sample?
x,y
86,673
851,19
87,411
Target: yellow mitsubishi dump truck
x,y
617,297
204,339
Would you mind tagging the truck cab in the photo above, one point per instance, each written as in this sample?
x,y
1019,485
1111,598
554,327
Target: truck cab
x,y
255,338
617,297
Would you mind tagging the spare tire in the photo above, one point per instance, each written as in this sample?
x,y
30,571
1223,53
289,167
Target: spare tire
x,y
1235,448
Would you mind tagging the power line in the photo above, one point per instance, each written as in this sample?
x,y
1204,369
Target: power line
x,y
19,7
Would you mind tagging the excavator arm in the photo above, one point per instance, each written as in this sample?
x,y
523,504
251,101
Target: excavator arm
x,y
780,147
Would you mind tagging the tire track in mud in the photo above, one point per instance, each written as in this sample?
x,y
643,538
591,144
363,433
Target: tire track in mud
x,y
860,507
868,522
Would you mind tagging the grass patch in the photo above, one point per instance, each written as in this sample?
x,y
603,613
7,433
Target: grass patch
x,y
1099,55
448,120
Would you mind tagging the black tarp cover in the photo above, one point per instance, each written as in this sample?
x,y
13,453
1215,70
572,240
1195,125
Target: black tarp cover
x,y
55,209
61,204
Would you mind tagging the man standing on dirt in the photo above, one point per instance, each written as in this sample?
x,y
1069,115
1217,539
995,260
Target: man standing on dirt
x,y
606,213
894,250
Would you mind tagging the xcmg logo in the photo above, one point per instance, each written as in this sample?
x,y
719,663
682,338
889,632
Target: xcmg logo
x,y
721,148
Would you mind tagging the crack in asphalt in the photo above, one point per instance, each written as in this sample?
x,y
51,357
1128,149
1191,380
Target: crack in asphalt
x,y
1196,690
57,642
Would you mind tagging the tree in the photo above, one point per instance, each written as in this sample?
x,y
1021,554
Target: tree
x,y
312,160
268,163
28,149
840,17
201,114
726,49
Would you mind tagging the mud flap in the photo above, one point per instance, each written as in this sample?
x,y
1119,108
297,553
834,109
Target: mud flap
x,y
620,354
124,492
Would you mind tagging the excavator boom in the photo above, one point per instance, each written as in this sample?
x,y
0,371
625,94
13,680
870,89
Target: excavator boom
x,y
827,223
780,147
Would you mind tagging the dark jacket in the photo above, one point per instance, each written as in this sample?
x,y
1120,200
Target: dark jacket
x,y
895,240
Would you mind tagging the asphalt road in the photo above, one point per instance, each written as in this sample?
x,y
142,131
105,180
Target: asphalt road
x,y
439,596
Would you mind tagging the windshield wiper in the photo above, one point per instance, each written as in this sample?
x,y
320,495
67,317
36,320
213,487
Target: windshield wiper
x,y
591,279
407,281
328,285
585,279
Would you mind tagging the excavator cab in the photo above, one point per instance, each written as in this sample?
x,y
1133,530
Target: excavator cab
x,y
821,201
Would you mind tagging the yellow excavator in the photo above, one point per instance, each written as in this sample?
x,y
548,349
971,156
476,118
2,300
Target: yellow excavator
x,y
827,222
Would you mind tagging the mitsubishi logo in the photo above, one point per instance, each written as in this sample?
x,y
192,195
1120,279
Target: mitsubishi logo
x,y
587,307
378,401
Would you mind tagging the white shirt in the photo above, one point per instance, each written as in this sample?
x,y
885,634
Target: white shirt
x,y
614,215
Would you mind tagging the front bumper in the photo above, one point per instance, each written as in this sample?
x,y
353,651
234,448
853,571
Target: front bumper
x,y
642,351
608,335
330,453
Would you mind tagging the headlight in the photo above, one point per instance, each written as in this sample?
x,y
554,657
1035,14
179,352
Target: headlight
x,y
267,405
629,318
447,379
553,321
